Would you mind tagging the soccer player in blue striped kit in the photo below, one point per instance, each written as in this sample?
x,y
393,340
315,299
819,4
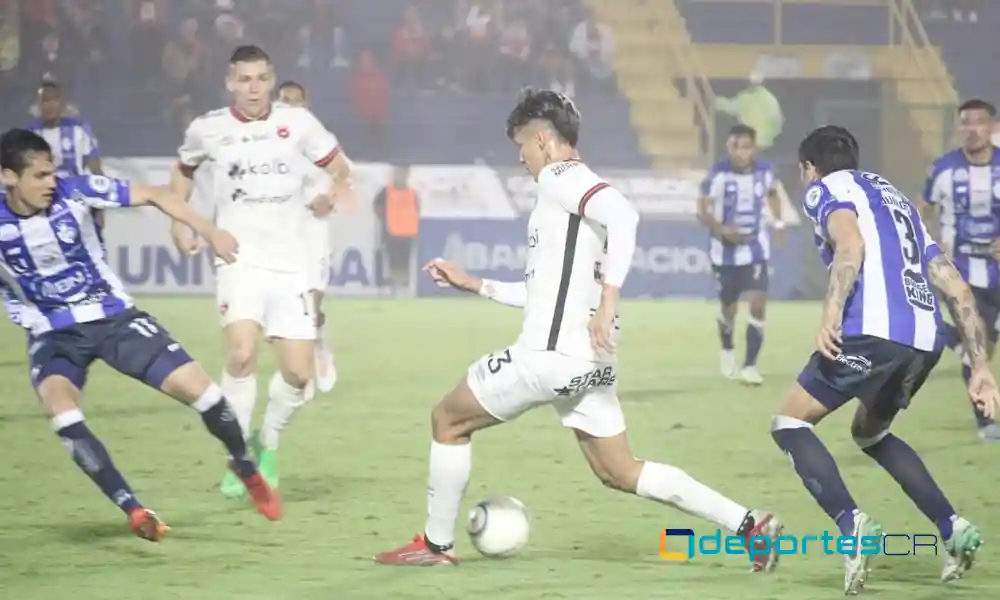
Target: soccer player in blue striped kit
x,y
734,195
964,189
880,336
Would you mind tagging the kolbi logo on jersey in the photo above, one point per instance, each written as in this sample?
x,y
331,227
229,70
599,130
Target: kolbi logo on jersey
x,y
277,166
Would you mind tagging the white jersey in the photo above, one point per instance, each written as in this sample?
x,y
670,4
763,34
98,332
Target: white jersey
x,y
260,180
318,182
565,254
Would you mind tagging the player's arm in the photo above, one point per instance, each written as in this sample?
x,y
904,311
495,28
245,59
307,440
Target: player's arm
x,y
607,206
928,205
322,147
958,295
774,201
706,216
848,256
174,206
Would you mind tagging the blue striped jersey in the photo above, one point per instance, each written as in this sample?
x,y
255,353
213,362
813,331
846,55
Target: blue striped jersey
x,y
969,200
72,141
53,272
892,298
739,198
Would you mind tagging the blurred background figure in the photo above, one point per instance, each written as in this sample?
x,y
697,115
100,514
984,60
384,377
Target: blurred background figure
x,y
397,209
757,108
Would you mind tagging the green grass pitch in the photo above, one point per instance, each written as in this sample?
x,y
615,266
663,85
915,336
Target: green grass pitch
x,y
353,469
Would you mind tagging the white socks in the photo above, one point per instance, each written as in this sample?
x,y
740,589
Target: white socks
x,y
283,401
242,395
450,467
672,486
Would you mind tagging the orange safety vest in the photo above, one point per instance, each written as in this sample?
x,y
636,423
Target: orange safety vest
x,y
402,215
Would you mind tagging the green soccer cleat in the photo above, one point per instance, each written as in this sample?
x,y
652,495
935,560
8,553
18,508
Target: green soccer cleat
x,y
267,460
856,566
231,486
961,550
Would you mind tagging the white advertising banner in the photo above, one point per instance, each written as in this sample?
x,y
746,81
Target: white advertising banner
x,y
142,253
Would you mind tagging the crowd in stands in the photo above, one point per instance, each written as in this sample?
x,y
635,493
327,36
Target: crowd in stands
x,y
166,59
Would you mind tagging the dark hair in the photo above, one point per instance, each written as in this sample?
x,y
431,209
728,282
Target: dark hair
x,y
292,85
546,105
18,146
249,53
50,85
741,130
830,148
977,104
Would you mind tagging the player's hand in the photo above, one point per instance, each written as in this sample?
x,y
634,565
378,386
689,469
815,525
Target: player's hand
x,y
829,340
321,205
995,248
602,324
447,274
344,199
224,245
185,240
732,235
983,392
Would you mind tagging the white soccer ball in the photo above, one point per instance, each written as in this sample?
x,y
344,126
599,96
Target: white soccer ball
x,y
499,527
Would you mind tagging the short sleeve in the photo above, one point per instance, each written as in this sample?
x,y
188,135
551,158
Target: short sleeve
x,y
931,248
100,192
193,151
933,186
819,204
89,148
318,144
705,187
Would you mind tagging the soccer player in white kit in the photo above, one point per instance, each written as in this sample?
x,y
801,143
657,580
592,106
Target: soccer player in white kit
x,y
318,230
581,238
254,149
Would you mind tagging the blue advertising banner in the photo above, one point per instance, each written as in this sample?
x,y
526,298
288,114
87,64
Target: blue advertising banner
x,y
671,258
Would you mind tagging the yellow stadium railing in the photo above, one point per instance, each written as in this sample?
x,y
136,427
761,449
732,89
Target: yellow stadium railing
x,y
698,86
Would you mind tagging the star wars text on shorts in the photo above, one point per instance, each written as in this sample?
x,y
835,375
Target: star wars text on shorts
x,y
684,544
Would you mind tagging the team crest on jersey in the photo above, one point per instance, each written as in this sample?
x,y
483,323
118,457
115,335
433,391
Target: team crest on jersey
x,y
223,308
813,197
65,233
283,132
961,175
99,183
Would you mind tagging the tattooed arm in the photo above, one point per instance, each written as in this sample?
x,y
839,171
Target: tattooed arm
x,y
848,257
957,294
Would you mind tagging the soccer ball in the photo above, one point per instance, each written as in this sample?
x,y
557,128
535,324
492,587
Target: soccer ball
x,y
499,527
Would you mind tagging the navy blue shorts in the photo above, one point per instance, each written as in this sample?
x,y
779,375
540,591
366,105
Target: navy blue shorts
x,y
883,374
988,304
131,342
733,281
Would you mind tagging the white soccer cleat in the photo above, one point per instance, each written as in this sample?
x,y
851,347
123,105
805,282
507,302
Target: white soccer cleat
x,y
750,376
856,566
960,550
326,370
727,364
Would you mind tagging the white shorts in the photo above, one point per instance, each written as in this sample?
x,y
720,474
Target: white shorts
x,y
318,232
512,381
282,303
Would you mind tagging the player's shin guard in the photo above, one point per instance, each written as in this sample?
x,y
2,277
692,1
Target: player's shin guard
x,y
90,455
755,340
725,331
283,400
817,469
221,421
450,467
981,419
241,393
904,465
670,485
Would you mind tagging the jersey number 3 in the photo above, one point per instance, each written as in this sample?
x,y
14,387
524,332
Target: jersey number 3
x,y
907,237
494,363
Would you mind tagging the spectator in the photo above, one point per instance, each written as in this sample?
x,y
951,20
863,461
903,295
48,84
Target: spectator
x,y
397,209
85,35
183,63
49,62
594,44
478,51
10,39
558,72
515,49
411,46
146,42
758,108
370,91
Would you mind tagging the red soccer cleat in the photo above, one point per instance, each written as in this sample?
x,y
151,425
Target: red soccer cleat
x,y
266,498
146,525
416,554
764,553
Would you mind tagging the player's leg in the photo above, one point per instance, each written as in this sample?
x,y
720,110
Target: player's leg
x,y
870,430
729,296
755,290
597,420
326,367
291,327
823,386
497,388
988,303
58,364
138,346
